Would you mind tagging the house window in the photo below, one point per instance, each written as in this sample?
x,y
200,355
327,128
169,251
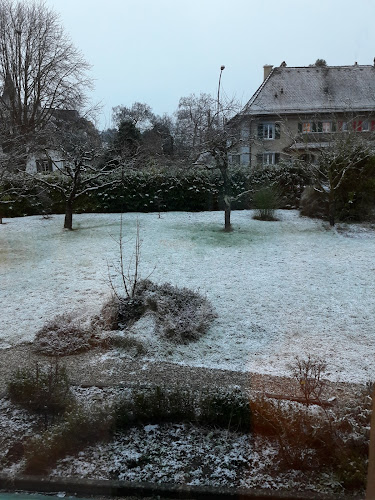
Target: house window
x,y
316,127
268,158
269,131
361,126
306,127
245,133
43,165
343,126
234,159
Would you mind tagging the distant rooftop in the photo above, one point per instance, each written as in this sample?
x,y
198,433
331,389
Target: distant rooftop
x,y
314,89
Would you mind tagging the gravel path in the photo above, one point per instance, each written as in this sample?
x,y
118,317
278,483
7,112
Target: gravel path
x,y
109,368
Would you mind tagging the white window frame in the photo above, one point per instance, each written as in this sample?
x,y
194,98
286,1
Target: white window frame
x,y
269,158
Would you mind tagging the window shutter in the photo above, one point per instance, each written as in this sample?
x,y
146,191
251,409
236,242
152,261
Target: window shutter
x,y
320,127
334,127
277,130
259,159
300,128
277,158
372,125
260,131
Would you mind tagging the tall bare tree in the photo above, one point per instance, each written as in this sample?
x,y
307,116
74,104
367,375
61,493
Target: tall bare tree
x,y
216,140
80,168
40,69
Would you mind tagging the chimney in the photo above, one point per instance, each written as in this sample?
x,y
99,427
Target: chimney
x,y
267,70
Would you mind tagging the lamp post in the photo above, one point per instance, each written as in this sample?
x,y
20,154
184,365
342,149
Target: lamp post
x,y
222,68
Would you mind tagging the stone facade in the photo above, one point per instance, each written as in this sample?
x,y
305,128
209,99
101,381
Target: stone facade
x,y
298,111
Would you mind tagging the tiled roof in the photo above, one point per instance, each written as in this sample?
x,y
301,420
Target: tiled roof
x,y
315,89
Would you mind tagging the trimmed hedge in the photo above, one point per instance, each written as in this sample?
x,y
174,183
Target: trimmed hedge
x,y
170,189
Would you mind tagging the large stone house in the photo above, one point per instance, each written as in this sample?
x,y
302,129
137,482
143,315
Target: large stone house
x,y
297,111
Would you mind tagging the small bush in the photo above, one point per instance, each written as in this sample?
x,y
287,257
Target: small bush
x,y
44,389
266,200
78,430
225,409
156,405
228,410
64,335
313,203
309,374
181,314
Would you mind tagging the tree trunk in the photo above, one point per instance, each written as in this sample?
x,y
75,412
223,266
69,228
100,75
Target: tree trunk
x,y
68,221
331,210
227,210
227,191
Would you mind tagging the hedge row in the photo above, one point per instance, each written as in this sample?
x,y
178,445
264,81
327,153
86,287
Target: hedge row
x,y
192,189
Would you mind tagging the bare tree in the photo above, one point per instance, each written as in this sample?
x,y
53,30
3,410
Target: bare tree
x,y
344,160
215,143
40,69
80,168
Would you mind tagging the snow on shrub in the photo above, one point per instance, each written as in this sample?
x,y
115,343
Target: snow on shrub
x,y
181,314
43,389
65,335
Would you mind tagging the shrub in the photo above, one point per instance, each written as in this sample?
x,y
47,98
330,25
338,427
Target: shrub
x,y
181,314
63,335
155,405
43,389
336,441
266,200
313,203
227,409
308,373
78,429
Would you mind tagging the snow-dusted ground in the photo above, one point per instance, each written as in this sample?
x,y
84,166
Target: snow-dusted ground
x,y
280,289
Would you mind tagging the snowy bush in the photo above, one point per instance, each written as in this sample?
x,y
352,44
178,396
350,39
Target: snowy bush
x,y
181,314
155,405
266,200
43,389
227,409
309,373
78,429
64,335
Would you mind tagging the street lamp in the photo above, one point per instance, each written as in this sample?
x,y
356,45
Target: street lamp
x,y
222,68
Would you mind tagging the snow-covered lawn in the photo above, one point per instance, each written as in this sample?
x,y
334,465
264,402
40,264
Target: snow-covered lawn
x,y
280,289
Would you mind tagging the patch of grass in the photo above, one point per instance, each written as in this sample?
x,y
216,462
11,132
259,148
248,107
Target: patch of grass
x,y
128,343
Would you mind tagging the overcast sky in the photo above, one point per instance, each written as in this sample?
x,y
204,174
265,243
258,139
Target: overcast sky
x,y
156,51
